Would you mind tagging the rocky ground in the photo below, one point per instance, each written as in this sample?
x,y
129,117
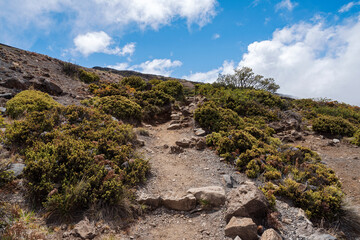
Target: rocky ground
x,y
224,204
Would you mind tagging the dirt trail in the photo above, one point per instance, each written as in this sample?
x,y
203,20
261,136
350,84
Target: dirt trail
x,y
178,173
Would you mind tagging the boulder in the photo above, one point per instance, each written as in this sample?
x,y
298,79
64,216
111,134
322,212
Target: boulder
x,y
174,126
178,202
245,228
85,230
52,88
15,83
185,143
246,201
270,234
150,200
213,195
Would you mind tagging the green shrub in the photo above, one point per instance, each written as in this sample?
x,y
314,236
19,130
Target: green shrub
x,y
154,104
76,157
88,77
333,126
70,69
213,118
121,108
173,88
134,82
155,81
29,101
6,176
109,89
356,139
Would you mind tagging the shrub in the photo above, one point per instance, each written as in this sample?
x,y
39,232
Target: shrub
x,y
121,108
356,139
88,77
109,89
333,126
6,176
173,88
76,157
29,101
70,69
154,104
213,118
134,82
155,81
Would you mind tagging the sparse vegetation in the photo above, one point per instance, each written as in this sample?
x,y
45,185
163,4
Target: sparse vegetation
x,y
135,82
88,77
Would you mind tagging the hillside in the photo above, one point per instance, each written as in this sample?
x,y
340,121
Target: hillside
x,y
105,154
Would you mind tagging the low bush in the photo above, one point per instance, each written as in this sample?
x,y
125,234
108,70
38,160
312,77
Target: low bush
x,y
6,176
76,157
155,81
333,125
155,104
173,88
135,82
109,89
29,101
121,107
88,77
70,69
356,139
213,118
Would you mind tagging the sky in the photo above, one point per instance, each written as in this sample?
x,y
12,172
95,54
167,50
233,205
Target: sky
x,y
310,47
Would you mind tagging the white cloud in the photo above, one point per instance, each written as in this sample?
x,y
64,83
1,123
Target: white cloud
x,y
162,67
216,36
86,15
286,4
212,75
99,42
348,6
311,60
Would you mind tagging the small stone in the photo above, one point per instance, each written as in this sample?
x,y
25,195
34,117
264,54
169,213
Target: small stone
x,y
228,180
200,132
85,230
17,168
174,127
270,234
212,195
245,228
336,141
180,203
185,143
150,200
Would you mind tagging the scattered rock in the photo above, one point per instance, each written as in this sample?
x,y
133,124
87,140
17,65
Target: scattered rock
x,y
213,195
85,230
336,141
176,150
318,235
150,200
185,143
228,180
200,144
180,203
237,238
270,234
200,132
7,95
17,168
15,84
246,201
174,127
175,116
52,88
2,110
245,228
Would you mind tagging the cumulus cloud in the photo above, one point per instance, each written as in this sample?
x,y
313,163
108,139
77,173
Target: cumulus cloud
x,y
212,75
115,14
311,60
99,42
286,4
162,67
348,6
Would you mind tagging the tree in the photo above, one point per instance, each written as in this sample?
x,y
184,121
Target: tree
x,y
246,78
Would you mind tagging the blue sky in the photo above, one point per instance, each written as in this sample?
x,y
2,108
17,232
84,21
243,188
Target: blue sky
x,y
310,47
